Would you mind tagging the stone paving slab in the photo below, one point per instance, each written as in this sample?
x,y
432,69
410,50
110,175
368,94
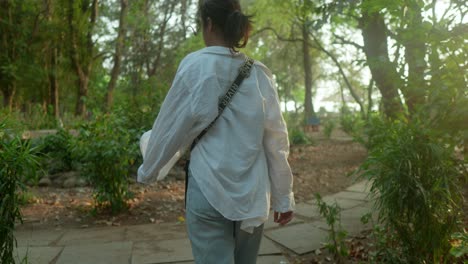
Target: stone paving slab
x,y
351,195
342,202
301,238
108,253
307,210
36,255
37,237
155,232
270,224
363,186
150,252
267,247
92,236
271,260
260,260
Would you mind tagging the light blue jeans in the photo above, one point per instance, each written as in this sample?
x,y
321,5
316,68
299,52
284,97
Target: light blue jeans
x,y
215,239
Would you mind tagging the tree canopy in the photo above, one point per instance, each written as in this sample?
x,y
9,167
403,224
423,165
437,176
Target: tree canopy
x,y
80,56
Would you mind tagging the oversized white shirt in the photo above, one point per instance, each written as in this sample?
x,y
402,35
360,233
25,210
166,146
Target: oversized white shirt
x,y
241,162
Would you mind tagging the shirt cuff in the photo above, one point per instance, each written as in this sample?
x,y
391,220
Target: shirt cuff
x,y
283,203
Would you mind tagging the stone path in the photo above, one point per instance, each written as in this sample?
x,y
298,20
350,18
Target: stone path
x,y
168,243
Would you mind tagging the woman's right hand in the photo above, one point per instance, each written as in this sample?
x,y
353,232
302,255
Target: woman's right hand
x,y
283,218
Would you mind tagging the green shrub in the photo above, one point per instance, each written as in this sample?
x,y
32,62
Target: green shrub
x,y
106,150
460,245
17,158
352,124
58,147
415,183
298,137
328,128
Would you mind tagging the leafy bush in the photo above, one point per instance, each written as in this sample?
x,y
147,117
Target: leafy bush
x,y
352,124
460,245
328,128
415,184
58,147
106,150
298,137
17,158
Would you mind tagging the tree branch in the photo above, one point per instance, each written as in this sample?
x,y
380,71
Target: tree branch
x,y
340,69
278,36
345,41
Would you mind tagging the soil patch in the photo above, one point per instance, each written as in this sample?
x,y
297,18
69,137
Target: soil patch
x,y
322,167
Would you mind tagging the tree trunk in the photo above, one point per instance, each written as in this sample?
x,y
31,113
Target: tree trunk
x,y
370,103
119,46
54,84
415,52
308,105
53,62
198,19
376,49
183,17
154,66
8,95
82,64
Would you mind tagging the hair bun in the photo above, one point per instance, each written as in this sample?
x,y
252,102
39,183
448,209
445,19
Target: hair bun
x,y
228,16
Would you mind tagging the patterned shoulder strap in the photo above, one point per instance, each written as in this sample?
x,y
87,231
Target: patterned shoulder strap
x,y
244,72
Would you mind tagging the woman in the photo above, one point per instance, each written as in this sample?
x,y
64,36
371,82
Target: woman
x,y
240,164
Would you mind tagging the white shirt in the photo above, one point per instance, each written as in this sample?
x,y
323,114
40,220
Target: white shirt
x,y
241,162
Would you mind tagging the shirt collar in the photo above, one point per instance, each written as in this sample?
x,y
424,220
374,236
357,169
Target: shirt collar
x,y
220,50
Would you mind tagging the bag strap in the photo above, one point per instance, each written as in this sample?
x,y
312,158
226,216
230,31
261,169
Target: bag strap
x,y
244,72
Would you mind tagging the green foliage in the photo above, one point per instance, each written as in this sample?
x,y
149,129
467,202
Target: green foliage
x,y
26,197
328,127
350,122
337,235
17,158
58,147
38,117
415,183
298,137
460,245
105,148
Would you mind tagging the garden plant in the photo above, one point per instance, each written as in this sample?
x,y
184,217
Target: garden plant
x,y
415,183
18,159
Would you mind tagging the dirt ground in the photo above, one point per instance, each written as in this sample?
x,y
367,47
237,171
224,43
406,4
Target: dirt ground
x,y
321,167
324,167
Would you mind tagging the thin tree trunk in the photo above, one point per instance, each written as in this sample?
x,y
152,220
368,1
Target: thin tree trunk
x,y
376,49
53,62
82,64
308,105
369,98
8,95
183,18
415,52
119,46
198,19
54,84
162,32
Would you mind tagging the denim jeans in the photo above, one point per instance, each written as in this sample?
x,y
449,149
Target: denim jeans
x,y
215,239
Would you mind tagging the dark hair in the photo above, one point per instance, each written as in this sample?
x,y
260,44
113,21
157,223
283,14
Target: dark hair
x,y
227,16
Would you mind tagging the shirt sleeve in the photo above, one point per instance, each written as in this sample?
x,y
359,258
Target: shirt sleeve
x,y
185,112
276,145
